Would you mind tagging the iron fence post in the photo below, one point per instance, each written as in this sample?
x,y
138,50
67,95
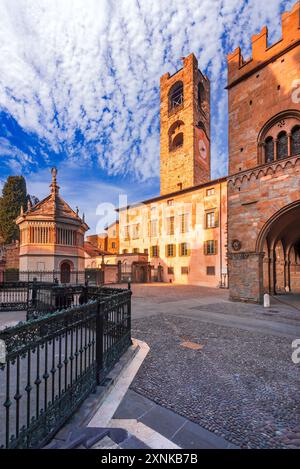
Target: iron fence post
x,y
27,307
129,313
99,341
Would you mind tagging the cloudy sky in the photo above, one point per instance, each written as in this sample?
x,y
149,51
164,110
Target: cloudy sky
x,y
79,87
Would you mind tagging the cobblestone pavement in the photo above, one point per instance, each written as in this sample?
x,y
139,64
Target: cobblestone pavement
x,y
278,312
240,384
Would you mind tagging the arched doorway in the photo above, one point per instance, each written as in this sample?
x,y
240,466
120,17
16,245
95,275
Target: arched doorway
x,y
65,272
279,241
139,272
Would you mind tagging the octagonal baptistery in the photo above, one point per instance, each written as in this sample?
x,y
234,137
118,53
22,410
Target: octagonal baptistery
x,y
51,236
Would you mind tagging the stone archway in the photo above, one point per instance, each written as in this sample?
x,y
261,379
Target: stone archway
x,y
279,241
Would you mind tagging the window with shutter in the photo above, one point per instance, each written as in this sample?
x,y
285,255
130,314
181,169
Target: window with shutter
x,y
170,225
210,247
211,219
170,250
154,251
184,250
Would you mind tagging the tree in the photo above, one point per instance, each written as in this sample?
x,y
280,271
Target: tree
x,y
14,195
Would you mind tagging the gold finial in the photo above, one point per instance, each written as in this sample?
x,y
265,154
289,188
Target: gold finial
x,y
54,186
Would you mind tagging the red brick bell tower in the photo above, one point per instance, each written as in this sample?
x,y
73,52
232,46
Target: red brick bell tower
x,y
185,128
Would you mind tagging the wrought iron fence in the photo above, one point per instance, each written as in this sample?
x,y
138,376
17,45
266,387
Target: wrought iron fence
x,y
76,277
24,296
53,362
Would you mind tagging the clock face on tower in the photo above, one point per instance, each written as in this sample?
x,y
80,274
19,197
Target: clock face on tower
x,y
202,147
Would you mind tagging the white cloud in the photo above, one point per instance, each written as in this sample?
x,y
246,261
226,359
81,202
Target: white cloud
x,y
93,66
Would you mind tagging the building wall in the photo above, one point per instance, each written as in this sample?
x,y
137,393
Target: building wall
x,y
190,268
185,166
113,238
260,91
99,241
106,242
113,259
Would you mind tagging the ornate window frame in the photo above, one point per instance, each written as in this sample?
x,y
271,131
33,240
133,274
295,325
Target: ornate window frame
x,y
270,130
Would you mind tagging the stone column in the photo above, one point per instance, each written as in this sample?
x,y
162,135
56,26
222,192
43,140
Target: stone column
x,y
275,149
289,144
262,153
273,273
284,272
269,274
289,274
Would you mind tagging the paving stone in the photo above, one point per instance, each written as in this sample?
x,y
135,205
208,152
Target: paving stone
x,y
133,406
163,421
192,436
133,443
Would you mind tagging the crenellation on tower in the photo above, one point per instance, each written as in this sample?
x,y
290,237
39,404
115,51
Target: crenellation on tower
x,y
262,53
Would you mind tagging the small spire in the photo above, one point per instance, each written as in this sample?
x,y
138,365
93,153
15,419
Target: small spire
x,y
77,211
28,204
21,210
54,186
83,217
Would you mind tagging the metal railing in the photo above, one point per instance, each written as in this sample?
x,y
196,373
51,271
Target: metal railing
x,y
53,362
75,277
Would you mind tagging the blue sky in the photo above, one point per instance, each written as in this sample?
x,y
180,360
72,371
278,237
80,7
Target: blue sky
x,y
79,87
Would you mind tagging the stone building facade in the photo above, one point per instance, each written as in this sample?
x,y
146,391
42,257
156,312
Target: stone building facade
x,y
183,232
264,165
107,242
52,236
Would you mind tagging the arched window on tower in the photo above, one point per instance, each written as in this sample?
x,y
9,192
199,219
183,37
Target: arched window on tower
x,y
177,141
176,137
295,144
176,95
282,145
201,96
269,150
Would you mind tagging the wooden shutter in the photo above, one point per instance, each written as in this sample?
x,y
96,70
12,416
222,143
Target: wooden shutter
x,y
216,247
216,218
